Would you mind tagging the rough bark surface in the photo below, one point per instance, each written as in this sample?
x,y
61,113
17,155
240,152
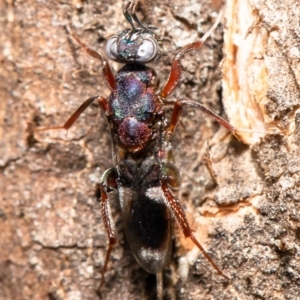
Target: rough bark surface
x,y
52,240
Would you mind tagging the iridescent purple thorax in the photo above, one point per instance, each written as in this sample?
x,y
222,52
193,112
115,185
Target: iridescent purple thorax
x,y
133,105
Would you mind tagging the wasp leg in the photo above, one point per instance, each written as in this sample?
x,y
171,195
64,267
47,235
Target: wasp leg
x,y
108,182
180,216
177,69
103,104
106,69
176,114
177,111
159,285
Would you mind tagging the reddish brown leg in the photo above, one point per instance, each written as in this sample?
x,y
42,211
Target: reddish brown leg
x,y
109,180
103,104
176,114
177,111
107,72
177,70
182,220
159,286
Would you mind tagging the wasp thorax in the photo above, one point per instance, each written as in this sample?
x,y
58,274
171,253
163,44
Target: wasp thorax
x,y
133,46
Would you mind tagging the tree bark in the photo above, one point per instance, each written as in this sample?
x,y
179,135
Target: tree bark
x,y
52,240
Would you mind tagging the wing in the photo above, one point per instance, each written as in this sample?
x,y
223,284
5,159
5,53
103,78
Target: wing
x,y
147,219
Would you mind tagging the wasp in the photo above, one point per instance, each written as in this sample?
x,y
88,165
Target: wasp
x,y
144,171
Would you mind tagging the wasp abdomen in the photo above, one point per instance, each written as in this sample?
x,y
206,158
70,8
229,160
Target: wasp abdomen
x,y
148,229
147,219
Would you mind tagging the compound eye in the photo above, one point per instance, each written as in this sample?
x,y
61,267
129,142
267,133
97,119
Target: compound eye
x,y
111,48
147,50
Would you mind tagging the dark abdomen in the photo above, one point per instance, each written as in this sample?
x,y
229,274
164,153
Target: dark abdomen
x,y
148,229
146,217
